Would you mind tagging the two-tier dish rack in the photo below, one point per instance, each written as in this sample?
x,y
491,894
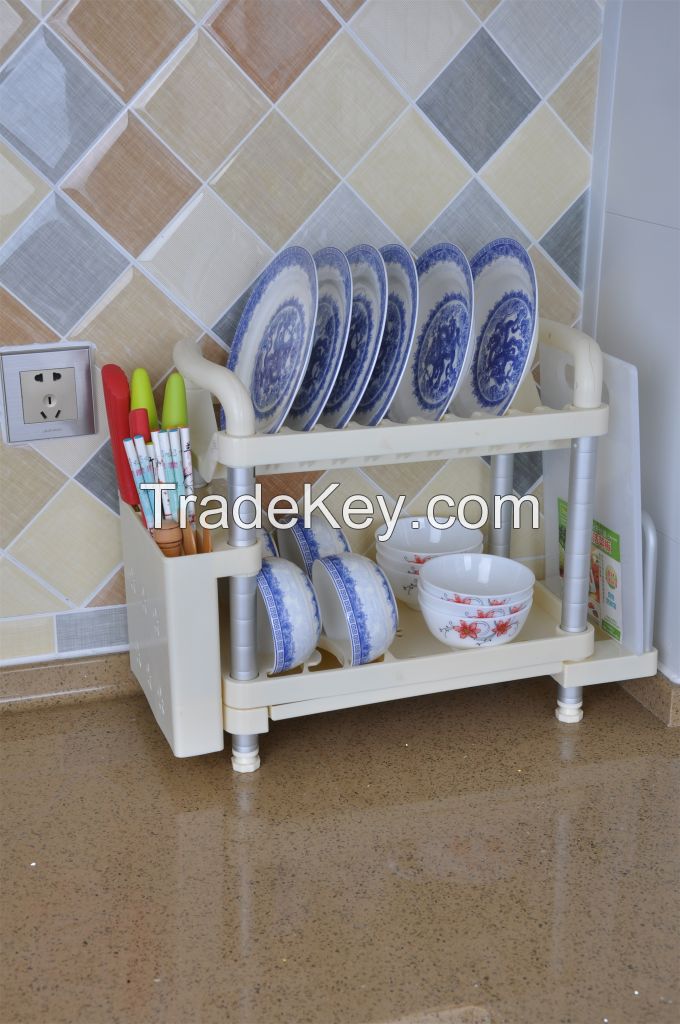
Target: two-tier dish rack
x,y
197,662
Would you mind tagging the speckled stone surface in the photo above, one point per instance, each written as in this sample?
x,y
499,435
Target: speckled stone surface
x,y
455,858
74,681
659,695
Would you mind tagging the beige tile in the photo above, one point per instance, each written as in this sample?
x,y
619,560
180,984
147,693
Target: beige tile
x,y
15,24
18,325
525,541
342,104
202,105
414,41
410,176
458,478
21,189
123,42
346,8
197,9
26,638
275,180
557,298
135,324
73,544
574,100
20,594
131,184
406,478
27,482
212,350
350,482
113,592
540,172
273,42
290,484
206,257
70,453
483,8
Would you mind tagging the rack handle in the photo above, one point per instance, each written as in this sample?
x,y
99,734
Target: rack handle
x,y
219,381
586,356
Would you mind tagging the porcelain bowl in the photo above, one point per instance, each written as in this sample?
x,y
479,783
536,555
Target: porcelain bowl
x,y
476,578
418,544
403,583
269,549
481,611
358,609
288,617
304,546
414,561
457,630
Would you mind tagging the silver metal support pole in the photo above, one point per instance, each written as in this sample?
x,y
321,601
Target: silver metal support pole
x,y
501,484
242,612
577,561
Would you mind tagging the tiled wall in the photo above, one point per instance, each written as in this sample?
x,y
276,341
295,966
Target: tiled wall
x,y
153,156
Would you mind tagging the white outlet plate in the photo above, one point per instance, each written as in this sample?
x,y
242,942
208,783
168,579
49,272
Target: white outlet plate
x,y
59,405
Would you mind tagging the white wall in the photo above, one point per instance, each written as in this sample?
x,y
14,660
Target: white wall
x,y
633,294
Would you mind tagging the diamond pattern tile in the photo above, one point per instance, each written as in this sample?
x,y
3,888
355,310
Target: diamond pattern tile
x,y
478,100
58,264
343,104
202,133
112,593
206,257
226,326
414,41
197,8
343,220
483,8
18,326
99,477
21,594
273,43
557,299
527,470
409,176
22,190
98,629
131,184
123,42
51,107
16,22
546,39
346,8
72,545
539,172
41,8
19,500
565,241
407,478
136,317
574,100
275,180
471,220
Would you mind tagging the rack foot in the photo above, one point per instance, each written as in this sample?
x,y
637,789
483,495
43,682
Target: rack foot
x,y
569,704
245,754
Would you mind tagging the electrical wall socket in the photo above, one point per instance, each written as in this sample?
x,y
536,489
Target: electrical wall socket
x,y
47,392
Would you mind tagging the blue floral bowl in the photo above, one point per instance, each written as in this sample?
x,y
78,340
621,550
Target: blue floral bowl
x,y
358,609
288,619
304,546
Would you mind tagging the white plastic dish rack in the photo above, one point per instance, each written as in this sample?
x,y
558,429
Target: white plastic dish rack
x,y
195,655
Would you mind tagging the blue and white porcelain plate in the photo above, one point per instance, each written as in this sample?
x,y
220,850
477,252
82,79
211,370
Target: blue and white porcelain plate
x,y
505,328
441,350
330,337
273,339
397,338
369,307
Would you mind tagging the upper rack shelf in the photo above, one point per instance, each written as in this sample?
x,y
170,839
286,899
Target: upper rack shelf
x,y
528,426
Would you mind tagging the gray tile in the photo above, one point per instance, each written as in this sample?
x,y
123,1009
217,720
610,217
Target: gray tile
x,y
545,38
527,471
51,107
92,629
565,241
99,476
478,100
471,220
343,220
225,328
58,264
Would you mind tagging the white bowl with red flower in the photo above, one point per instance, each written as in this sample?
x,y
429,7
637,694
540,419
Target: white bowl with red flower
x,y
475,600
